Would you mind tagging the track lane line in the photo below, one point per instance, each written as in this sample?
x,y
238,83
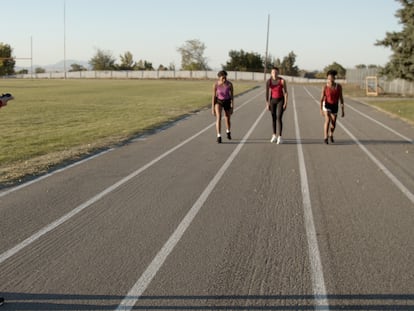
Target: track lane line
x,y
14,250
373,120
382,124
318,281
143,282
26,184
37,179
381,166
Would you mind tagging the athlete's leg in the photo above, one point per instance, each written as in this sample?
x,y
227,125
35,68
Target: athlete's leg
x,y
279,115
227,116
332,127
273,110
218,109
326,125
333,123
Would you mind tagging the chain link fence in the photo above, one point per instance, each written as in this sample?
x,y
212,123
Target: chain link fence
x,y
353,76
161,74
397,86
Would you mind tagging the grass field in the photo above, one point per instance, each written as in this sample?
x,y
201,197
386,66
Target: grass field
x,y
53,121
395,105
402,108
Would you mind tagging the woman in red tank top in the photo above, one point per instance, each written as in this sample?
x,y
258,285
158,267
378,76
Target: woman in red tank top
x,y
330,98
276,102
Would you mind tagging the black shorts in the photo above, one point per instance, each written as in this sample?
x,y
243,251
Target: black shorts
x,y
332,108
225,103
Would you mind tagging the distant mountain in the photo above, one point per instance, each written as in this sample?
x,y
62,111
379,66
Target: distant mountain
x,y
58,67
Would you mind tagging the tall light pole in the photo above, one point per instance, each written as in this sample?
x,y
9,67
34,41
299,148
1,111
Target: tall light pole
x,y
64,38
31,57
267,46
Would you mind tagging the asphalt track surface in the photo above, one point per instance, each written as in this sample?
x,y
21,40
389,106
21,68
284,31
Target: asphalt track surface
x,y
175,221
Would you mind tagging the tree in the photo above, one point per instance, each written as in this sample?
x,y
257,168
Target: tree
x,y
339,69
127,61
103,60
143,65
7,62
272,62
148,66
242,61
310,74
277,63
76,67
401,64
171,66
361,66
23,72
288,65
40,70
161,67
192,55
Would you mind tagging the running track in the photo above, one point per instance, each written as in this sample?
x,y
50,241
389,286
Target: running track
x,y
174,221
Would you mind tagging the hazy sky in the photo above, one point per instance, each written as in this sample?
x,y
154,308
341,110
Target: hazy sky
x,y
318,31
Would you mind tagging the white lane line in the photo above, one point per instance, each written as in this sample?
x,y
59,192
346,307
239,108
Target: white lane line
x,y
11,252
141,285
26,184
4,193
382,124
7,254
373,120
382,167
318,282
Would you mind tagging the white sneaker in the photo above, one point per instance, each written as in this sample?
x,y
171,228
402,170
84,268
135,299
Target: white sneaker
x,y
279,140
273,139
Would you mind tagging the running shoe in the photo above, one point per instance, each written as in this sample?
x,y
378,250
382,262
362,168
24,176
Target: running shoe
x,y
326,141
1,301
273,139
332,140
219,140
229,135
4,98
279,140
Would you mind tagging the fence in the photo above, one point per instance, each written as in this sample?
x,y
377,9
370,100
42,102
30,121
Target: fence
x,y
162,74
354,76
397,86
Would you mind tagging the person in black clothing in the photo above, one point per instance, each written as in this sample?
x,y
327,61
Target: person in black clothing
x,y
276,102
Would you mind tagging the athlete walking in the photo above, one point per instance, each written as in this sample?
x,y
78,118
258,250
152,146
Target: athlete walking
x,y
223,98
276,102
330,98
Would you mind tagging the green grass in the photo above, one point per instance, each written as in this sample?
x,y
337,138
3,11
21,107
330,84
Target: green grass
x,y
397,107
52,121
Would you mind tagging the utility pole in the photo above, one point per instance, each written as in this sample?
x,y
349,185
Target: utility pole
x,y
31,57
267,46
64,38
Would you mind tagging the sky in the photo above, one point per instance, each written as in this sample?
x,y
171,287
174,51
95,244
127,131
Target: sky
x,y
319,32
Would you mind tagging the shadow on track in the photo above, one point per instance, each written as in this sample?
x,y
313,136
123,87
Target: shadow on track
x,y
29,302
309,141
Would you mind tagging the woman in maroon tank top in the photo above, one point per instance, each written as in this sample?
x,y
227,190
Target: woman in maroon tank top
x,y
330,98
276,103
223,98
